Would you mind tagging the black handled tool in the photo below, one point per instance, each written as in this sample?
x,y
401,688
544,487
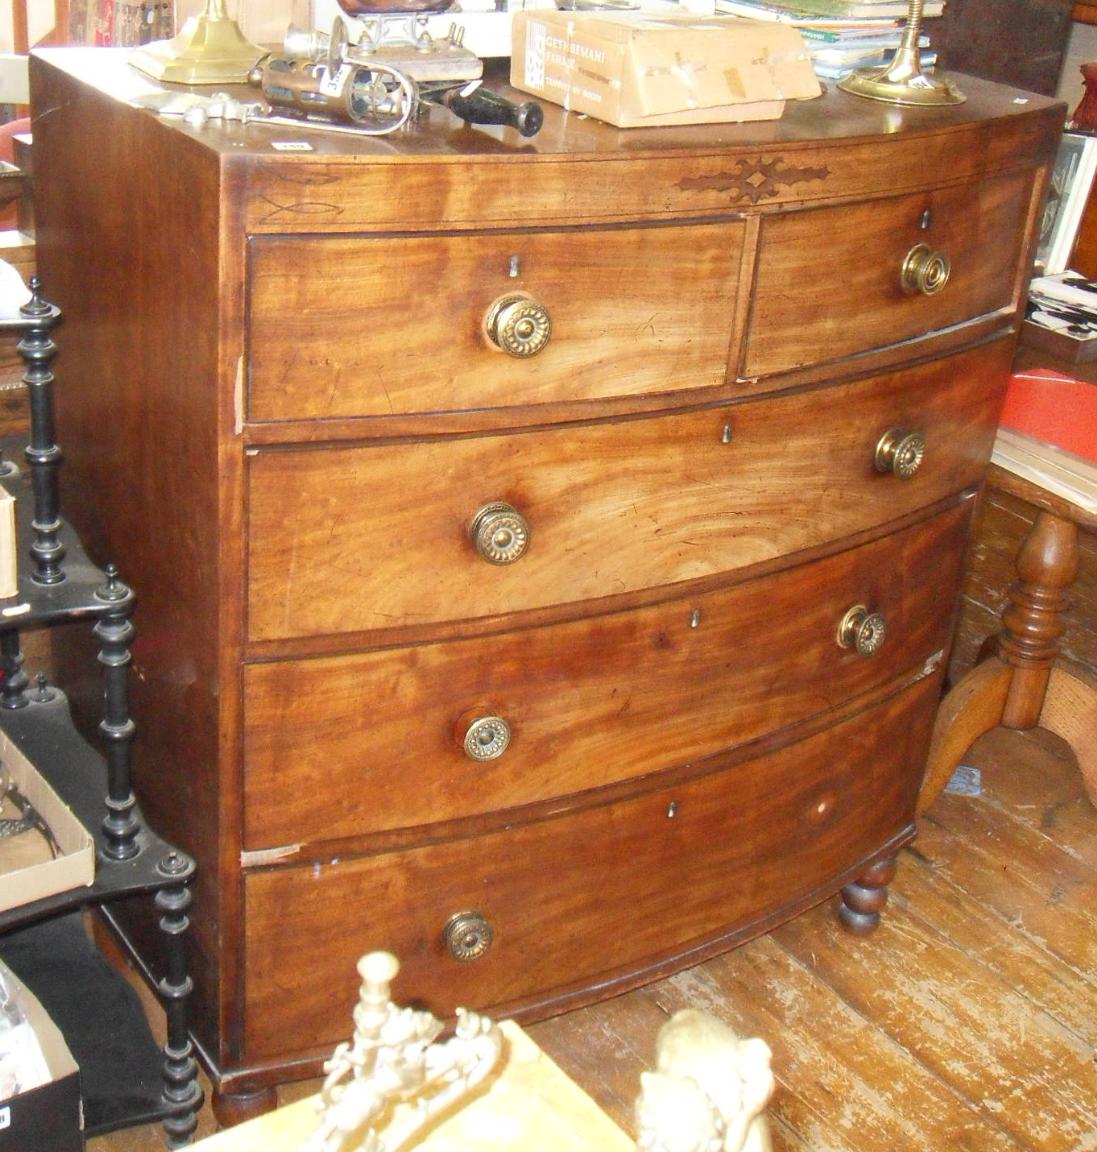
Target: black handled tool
x,y
482,106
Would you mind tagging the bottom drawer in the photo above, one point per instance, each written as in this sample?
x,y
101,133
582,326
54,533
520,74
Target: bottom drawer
x,y
588,897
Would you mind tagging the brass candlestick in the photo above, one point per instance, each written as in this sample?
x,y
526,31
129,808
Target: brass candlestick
x,y
210,49
902,81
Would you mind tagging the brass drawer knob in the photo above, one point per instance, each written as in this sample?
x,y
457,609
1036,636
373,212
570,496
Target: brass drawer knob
x,y
487,738
925,271
900,452
499,533
518,325
467,935
862,630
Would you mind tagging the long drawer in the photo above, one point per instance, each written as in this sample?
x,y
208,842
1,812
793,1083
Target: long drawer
x,y
367,326
575,900
368,537
847,267
498,722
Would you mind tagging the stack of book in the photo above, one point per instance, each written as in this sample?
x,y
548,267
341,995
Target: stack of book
x,y
841,34
1061,317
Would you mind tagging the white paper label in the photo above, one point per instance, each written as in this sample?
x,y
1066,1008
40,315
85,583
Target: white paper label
x,y
536,36
333,83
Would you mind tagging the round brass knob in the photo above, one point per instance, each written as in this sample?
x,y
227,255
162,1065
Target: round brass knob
x,y
467,935
900,452
863,630
925,271
518,325
487,738
499,533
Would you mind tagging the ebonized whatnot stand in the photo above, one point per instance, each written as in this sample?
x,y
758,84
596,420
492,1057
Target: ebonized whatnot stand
x,y
57,584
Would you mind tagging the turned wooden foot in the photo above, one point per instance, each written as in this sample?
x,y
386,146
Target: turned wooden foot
x,y
864,899
232,1108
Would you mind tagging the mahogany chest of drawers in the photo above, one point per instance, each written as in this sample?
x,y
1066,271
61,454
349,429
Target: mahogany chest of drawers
x,y
547,550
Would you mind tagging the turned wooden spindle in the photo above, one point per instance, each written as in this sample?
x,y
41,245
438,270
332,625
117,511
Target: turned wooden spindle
x,y
1032,624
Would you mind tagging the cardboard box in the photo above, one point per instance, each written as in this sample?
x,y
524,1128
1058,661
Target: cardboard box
x,y
28,869
50,1117
9,561
637,70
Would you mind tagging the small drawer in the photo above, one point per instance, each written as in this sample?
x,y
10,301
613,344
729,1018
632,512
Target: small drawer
x,y
499,722
572,902
380,537
870,274
378,326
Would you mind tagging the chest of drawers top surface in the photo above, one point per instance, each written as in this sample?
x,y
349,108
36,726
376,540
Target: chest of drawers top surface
x,y
829,147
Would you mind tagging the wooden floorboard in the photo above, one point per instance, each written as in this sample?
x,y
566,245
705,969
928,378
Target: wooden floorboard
x,y
968,1021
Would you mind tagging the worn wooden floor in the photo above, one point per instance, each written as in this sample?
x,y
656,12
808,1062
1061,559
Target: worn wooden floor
x,y
967,1022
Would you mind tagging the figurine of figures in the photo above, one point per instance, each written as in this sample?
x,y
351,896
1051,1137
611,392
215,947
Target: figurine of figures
x,y
385,1086
708,1092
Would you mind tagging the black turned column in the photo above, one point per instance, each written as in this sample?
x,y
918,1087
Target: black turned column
x,y
43,455
182,1092
115,633
13,692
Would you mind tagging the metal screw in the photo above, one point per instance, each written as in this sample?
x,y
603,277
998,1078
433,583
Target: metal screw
x,y
173,864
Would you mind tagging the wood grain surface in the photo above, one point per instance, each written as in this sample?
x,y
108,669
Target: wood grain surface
x,y
679,871
847,261
590,703
613,507
632,310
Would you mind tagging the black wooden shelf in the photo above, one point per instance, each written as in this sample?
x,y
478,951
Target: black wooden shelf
x,y
125,1078
44,732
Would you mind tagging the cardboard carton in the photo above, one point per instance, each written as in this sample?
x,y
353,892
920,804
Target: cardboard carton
x,y
9,562
29,870
48,1117
636,70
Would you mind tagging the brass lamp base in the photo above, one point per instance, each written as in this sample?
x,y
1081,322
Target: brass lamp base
x,y
901,81
900,86
210,49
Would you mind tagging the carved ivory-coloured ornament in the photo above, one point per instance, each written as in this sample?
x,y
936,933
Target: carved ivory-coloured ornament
x,y
708,1092
385,1087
